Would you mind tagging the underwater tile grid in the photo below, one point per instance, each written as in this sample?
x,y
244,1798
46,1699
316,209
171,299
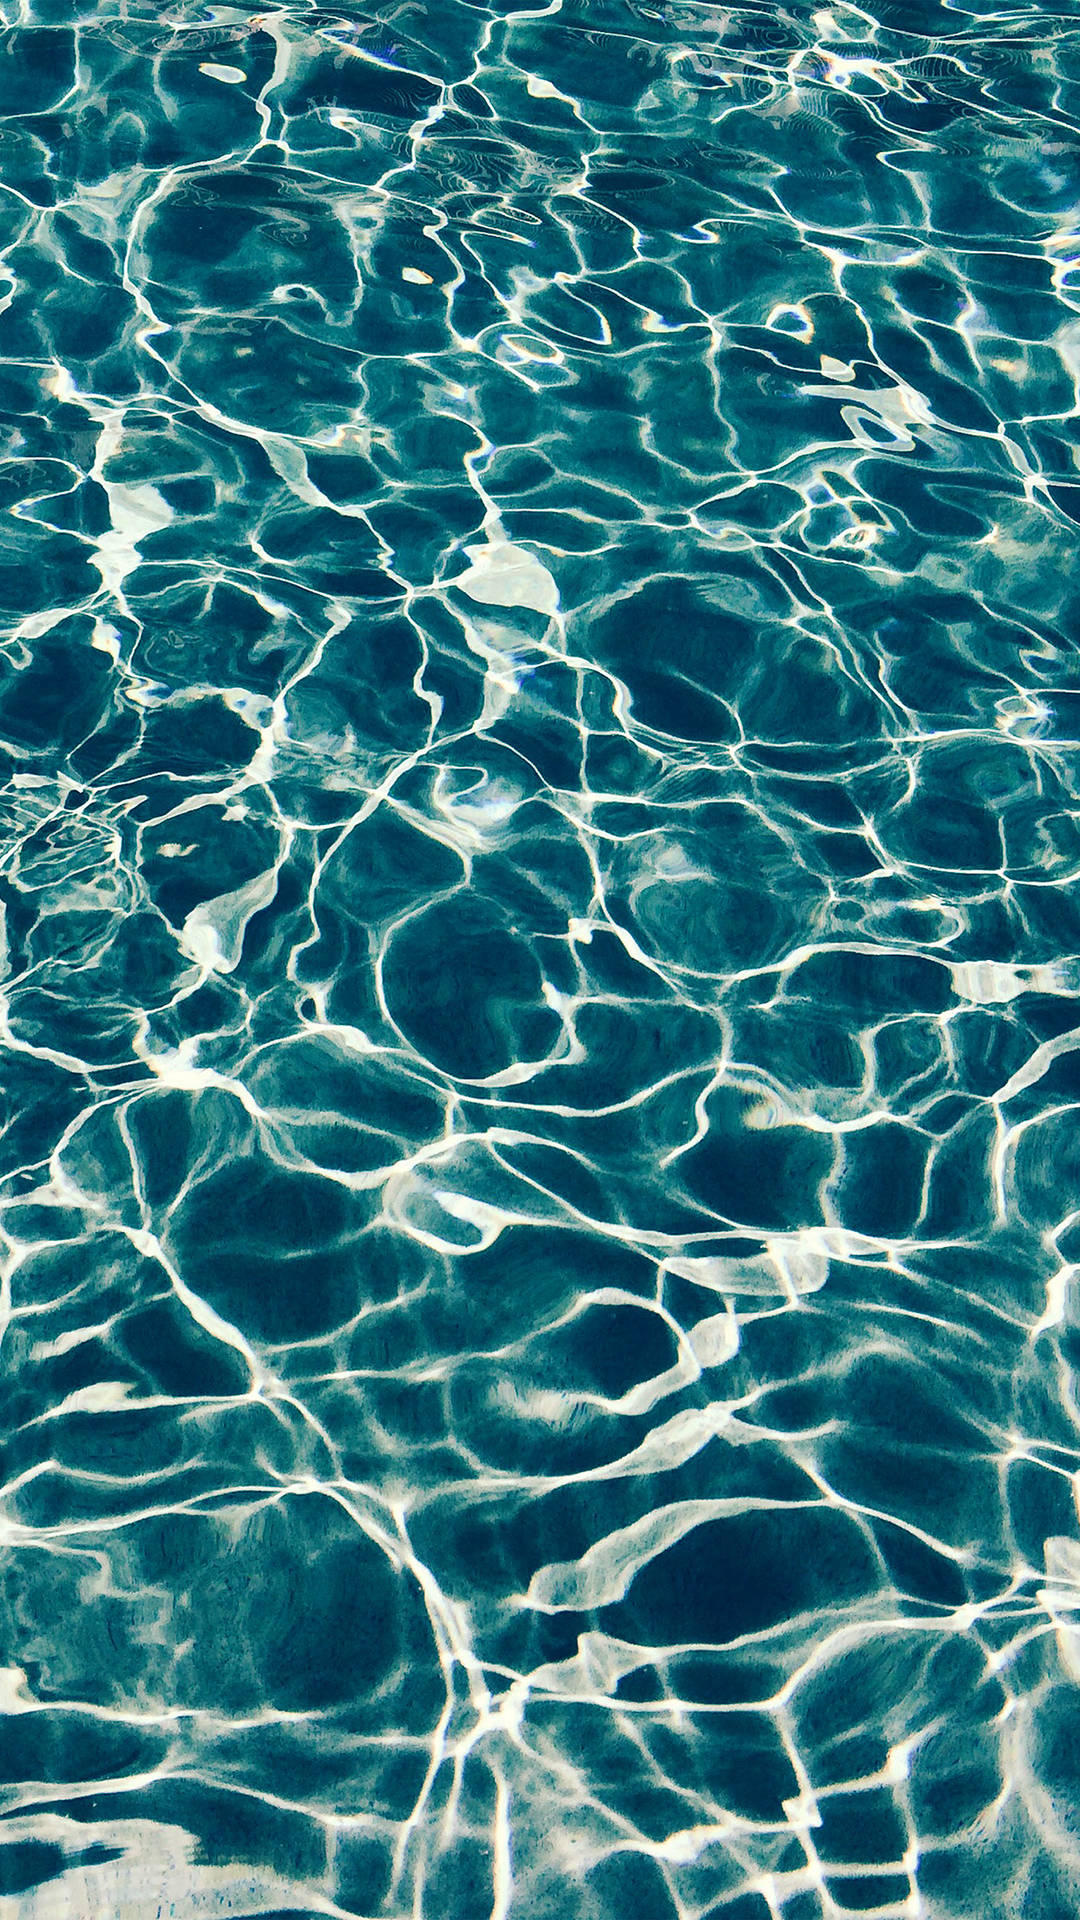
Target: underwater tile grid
x,y
540,993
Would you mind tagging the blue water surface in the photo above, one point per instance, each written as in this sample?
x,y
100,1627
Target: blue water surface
x,y
539,1025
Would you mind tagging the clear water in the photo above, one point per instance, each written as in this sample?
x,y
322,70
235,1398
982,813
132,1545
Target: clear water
x,y
539,1167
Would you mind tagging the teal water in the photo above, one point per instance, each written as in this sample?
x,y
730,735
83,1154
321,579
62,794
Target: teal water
x,y
539,1164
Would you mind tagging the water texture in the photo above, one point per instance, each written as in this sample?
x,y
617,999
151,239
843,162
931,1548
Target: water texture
x,y
540,1037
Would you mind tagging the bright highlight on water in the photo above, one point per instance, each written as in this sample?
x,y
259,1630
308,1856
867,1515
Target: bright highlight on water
x,y
540,872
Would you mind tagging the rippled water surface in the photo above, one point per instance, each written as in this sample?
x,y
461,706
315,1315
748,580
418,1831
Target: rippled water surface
x,y
539,1145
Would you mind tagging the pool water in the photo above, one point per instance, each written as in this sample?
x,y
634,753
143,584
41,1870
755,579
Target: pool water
x,y
539,853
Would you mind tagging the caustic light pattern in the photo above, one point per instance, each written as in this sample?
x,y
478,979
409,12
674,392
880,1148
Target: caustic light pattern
x,y
539,1031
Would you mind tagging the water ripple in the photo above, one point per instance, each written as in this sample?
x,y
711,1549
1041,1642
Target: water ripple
x,y
538,864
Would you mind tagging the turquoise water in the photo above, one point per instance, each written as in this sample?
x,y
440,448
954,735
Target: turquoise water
x,y
538,1095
